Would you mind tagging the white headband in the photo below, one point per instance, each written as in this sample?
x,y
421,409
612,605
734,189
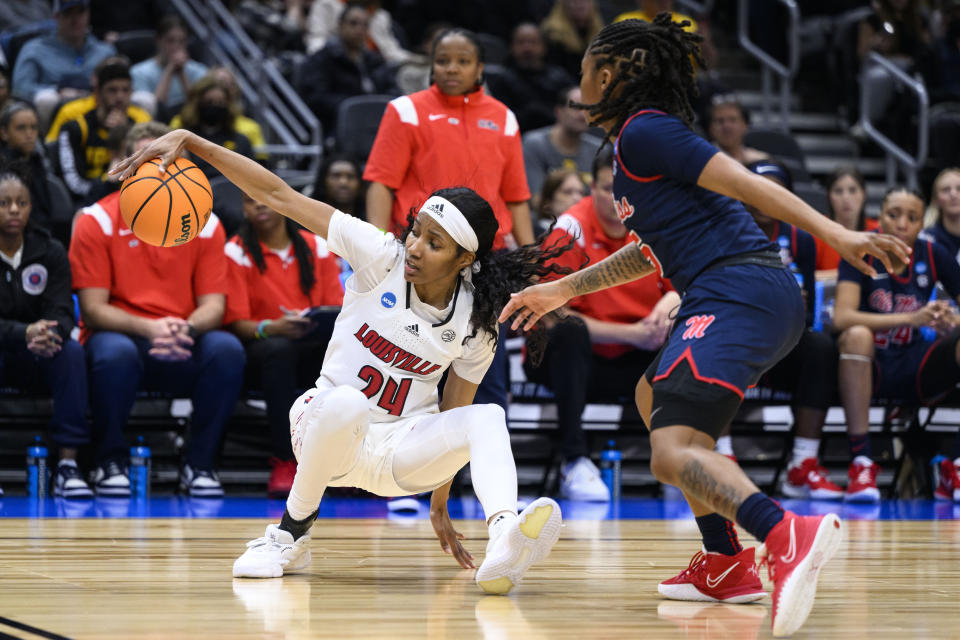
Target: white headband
x,y
453,222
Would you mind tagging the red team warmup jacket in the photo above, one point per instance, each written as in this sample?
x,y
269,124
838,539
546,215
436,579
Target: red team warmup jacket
x,y
256,296
429,140
627,303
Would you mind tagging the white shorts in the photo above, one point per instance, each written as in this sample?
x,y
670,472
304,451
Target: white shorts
x,y
372,468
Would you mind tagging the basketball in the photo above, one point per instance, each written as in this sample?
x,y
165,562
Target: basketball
x,y
166,210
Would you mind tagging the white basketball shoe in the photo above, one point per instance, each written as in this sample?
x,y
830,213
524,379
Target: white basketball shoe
x,y
516,545
273,555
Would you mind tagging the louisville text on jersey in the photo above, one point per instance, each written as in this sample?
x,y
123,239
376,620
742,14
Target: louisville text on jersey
x,y
392,354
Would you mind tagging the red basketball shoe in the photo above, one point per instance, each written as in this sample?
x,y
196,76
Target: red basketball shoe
x,y
808,480
796,549
863,481
714,577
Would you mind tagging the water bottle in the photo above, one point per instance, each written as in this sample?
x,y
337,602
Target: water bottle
x,y
140,469
610,469
37,474
817,306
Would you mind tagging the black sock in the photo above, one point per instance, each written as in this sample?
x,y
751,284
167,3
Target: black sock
x,y
860,446
297,528
758,514
719,534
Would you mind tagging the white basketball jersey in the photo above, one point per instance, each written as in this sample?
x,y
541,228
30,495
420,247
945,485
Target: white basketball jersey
x,y
395,357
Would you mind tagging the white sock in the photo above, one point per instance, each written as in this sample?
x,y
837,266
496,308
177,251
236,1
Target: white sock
x,y
724,445
804,448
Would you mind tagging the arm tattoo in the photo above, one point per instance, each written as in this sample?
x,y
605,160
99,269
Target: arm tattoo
x,y
626,265
702,485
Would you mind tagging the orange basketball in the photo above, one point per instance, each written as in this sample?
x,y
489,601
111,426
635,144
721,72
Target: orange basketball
x,y
166,210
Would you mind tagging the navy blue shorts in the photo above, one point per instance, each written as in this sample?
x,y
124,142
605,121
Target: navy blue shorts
x,y
917,373
734,323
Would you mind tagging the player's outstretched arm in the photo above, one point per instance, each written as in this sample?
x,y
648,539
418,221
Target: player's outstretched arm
x,y
625,265
726,176
257,182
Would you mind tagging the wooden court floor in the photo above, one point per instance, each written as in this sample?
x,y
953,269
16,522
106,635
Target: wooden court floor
x,y
170,578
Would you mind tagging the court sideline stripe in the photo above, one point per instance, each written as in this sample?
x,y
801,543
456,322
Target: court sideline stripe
x,y
25,627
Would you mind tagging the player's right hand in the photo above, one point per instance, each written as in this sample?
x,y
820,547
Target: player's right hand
x,y
853,246
167,147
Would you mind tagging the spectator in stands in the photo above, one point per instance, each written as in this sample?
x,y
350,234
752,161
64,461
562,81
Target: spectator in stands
x,y
896,30
648,10
338,183
323,23
452,133
19,141
211,113
277,271
888,325
568,29
245,125
170,73
565,144
943,215
610,335
528,85
44,61
18,13
36,318
152,320
82,150
847,202
808,372
562,189
727,125
344,67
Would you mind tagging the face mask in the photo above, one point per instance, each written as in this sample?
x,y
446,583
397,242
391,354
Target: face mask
x,y
213,114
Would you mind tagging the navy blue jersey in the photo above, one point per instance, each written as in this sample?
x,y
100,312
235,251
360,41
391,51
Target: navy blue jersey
x,y
798,250
943,237
889,293
658,161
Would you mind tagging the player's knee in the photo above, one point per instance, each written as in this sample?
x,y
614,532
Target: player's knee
x,y
349,404
491,415
858,340
663,463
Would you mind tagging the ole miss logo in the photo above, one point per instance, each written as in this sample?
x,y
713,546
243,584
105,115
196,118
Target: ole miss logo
x,y
624,208
696,326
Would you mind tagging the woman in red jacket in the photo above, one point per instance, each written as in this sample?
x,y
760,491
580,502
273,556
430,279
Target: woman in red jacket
x,y
451,133
276,271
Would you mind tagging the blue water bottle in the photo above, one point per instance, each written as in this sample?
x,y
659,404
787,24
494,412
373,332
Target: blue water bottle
x,y
37,476
140,469
610,469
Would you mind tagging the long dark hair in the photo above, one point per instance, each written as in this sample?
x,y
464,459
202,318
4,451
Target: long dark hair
x,y
653,69
501,272
320,184
248,236
842,172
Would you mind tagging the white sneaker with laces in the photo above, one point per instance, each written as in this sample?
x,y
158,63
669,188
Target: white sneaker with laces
x,y
273,555
68,482
112,480
581,481
200,483
518,544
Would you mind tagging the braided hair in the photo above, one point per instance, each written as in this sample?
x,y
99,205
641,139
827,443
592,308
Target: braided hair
x,y
248,236
501,272
653,69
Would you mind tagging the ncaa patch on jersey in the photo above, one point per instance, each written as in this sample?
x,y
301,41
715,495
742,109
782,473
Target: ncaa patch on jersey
x,y
388,300
34,279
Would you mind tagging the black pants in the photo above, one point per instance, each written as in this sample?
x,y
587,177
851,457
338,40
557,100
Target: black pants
x,y
809,372
283,368
576,376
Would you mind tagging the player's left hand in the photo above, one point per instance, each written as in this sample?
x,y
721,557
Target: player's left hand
x,y
449,537
853,246
167,148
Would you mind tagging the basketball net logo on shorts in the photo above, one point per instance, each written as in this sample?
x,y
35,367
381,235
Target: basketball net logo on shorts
x,y
697,326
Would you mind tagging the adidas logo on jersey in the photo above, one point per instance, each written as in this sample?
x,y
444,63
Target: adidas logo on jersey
x,y
414,329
